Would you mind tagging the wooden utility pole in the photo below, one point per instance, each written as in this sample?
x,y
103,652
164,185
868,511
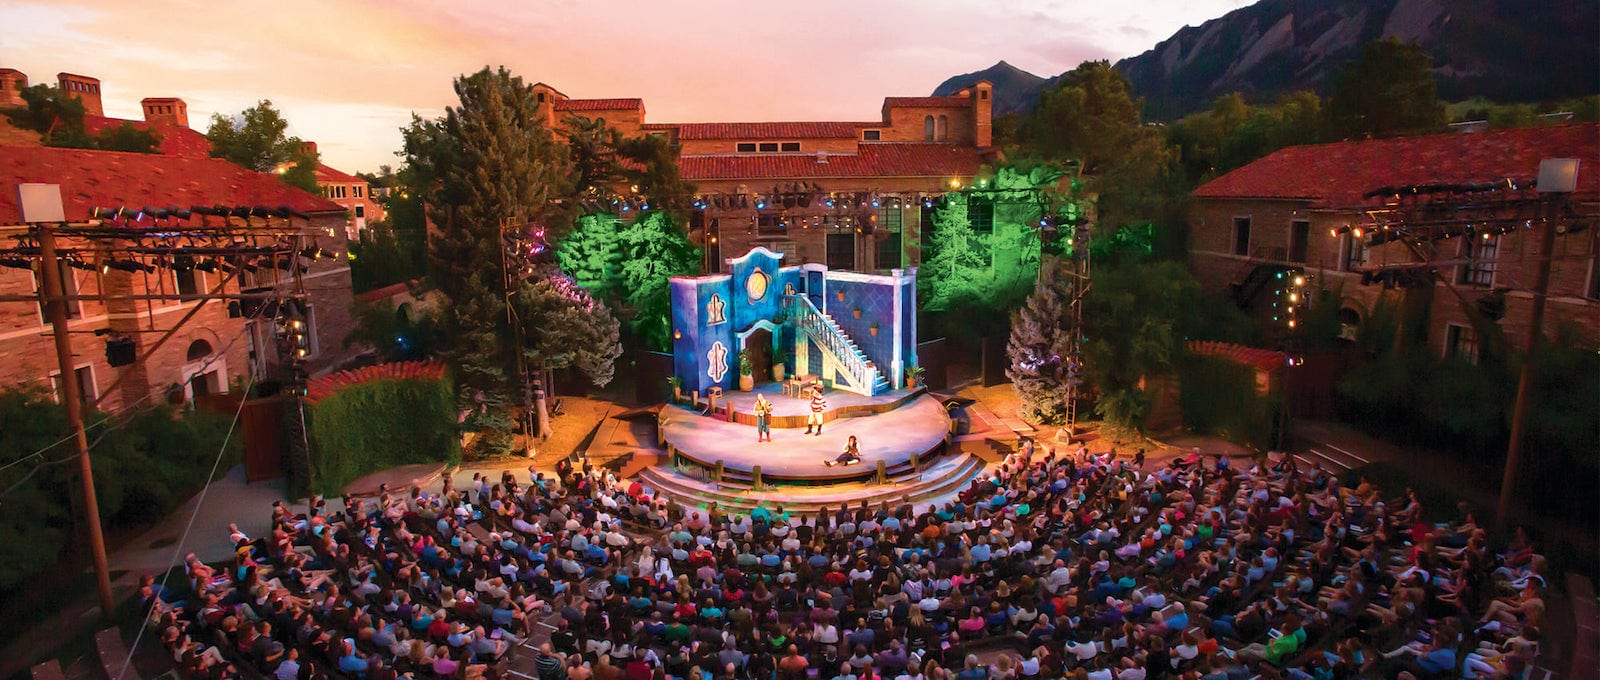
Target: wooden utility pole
x,y
54,297
1519,408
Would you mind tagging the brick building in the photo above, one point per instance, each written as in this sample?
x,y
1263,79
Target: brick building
x,y
349,191
1322,210
216,348
852,195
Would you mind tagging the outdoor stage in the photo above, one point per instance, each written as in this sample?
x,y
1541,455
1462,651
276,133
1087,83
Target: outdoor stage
x,y
891,427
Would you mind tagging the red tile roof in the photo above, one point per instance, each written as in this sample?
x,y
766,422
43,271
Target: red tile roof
x,y
872,160
327,174
772,131
925,102
319,388
109,178
599,104
1337,175
1259,359
176,140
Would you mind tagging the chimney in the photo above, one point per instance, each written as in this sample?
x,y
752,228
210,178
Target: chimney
x,y
168,110
983,113
86,89
309,149
12,83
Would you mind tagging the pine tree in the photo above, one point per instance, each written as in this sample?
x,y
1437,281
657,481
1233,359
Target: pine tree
x,y
592,255
563,326
957,267
1038,350
488,160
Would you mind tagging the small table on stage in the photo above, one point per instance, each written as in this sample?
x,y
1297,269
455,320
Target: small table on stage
x,y
796,386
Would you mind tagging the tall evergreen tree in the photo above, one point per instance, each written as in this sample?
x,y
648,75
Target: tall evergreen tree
x,y
564,326
1039,349
488,162
1388,91
956,268
592,255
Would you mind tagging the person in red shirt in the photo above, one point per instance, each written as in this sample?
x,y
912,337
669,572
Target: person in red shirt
x,y
638,668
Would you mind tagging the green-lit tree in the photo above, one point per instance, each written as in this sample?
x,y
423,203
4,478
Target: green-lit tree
x,y
1388,91
486,162
563,326
654,249
592,255
955,269
1038,350
257,139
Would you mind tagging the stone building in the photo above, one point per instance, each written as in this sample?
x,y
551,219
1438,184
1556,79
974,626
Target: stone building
x,y
851,195
1325,213
218,347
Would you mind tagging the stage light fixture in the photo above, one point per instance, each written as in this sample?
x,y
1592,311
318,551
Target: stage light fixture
x,y
206,265
16,262
260,211
240,211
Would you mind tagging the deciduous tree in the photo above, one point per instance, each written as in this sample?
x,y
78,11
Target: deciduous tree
x,y
1389,90
257,139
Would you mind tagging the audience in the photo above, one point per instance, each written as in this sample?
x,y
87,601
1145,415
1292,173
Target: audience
x,y
1050,565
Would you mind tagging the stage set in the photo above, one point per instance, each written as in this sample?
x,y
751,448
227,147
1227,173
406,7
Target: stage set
x,y
781,333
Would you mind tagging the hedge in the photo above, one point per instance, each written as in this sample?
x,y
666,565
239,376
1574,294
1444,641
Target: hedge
x,y
1219,398
364,427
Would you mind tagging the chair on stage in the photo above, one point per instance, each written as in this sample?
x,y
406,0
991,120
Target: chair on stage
x,y
796,386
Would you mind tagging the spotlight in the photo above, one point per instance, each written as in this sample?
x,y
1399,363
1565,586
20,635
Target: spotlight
x,y
206,265
240,211
80,264
760,204
1299,280
104,213
16,262
179,213
312,253
157,213
183,263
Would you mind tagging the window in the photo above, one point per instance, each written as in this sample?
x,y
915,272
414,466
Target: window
x,y
980,212
189,282
747,147
87,392
1355,252
541,97
927,128
791,146
1299,233
361,212
1479,253
358,189
983,94
871,135
1461,342
769,147
842,251
944,128
70,285
891,221
1241,236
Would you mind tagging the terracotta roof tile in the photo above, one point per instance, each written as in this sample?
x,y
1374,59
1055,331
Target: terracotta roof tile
x,y
1259,359
925,102
1337,175
773,131
599,104
327,174
319,388
110,178
872,160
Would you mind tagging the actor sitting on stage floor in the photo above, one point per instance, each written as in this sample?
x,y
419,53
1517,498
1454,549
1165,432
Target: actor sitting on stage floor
x,y
818,405
851,455
763,419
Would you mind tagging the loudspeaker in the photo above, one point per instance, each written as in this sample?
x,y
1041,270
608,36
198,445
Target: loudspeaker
x,y
121,351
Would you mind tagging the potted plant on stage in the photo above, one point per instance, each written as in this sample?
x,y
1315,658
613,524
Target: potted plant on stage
x,y
912,373
747,378
778,372
677,388
856,312
873,330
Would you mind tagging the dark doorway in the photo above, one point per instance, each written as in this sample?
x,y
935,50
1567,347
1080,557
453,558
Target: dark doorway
x,y
759,345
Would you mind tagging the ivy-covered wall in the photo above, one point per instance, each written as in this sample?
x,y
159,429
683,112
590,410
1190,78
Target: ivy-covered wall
x,y
1219,397
369,426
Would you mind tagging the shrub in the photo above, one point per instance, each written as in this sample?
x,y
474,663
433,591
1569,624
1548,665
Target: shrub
x,y
378,424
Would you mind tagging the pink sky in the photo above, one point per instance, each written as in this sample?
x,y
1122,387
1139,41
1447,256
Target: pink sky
x,y
348,73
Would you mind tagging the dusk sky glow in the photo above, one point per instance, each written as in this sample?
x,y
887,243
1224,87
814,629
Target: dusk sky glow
x,y
348,73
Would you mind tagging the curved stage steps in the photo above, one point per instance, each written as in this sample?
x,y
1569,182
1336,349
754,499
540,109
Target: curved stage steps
x,y
947,475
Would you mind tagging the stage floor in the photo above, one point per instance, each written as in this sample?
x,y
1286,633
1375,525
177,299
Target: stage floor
x,y
744,402
919,426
